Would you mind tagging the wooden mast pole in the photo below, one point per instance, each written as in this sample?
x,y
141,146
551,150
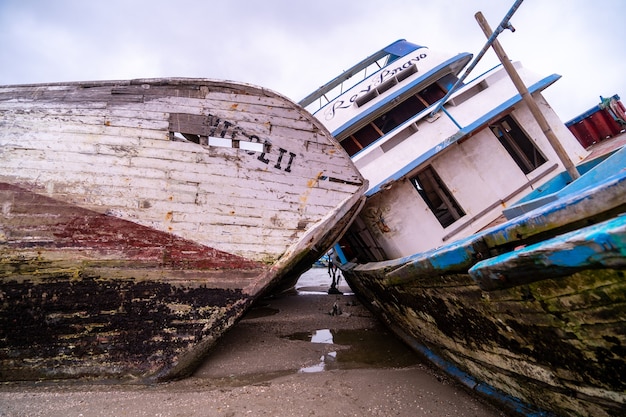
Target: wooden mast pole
x,y
528,99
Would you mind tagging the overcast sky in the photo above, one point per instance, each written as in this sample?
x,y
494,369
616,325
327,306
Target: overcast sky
x,y
294,46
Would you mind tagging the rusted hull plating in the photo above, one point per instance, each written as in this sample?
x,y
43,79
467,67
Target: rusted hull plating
x,y
130,242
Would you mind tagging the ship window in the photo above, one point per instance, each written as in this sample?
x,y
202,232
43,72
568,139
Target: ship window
x,y
447,82
517,144
399,114
362,138
383,124
402,112
437,196
432,94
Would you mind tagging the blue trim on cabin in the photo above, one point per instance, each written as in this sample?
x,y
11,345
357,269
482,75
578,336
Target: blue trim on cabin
x,y
382,138
467,130
462,57
401,48
396,49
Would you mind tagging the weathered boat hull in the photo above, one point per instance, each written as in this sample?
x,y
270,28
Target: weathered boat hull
x,y
140,219
531,313
444,158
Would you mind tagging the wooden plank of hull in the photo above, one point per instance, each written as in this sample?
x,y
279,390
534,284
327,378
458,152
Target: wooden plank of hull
x,y
125,251
556,344
602,246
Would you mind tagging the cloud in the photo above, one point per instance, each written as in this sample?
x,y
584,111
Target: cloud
x,y
294,47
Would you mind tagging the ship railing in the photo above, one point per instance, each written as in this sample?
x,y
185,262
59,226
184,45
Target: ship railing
x,y
329,92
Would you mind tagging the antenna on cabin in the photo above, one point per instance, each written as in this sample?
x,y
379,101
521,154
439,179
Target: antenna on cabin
x,y
528,99
504,24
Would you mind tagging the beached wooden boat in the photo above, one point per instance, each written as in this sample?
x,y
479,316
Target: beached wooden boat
x,y
140,219
516,310
530,313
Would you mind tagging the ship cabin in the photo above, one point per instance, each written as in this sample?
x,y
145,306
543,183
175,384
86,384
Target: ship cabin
x,y
435,177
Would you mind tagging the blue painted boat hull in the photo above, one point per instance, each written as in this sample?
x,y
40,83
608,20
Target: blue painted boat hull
x,y
530,313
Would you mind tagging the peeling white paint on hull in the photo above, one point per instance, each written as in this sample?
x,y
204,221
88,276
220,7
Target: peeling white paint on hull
x,y
139,219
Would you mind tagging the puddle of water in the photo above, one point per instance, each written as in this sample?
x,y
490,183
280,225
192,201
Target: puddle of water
x,y
360,348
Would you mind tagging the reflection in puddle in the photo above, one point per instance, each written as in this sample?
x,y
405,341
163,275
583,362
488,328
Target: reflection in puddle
x,y
331,356
322,336
358,349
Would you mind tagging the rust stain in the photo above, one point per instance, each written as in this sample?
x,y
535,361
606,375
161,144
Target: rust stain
x,y
169,216
376,218
234,106
310,184
313,182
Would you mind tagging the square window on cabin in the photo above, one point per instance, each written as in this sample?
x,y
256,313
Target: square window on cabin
x,y
437,196
361,139
397,115
523,151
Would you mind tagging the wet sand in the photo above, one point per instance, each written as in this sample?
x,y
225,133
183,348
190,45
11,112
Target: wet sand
x,y
287,357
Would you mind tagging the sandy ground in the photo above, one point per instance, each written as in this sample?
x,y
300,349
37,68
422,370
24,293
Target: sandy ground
x,y
287,357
